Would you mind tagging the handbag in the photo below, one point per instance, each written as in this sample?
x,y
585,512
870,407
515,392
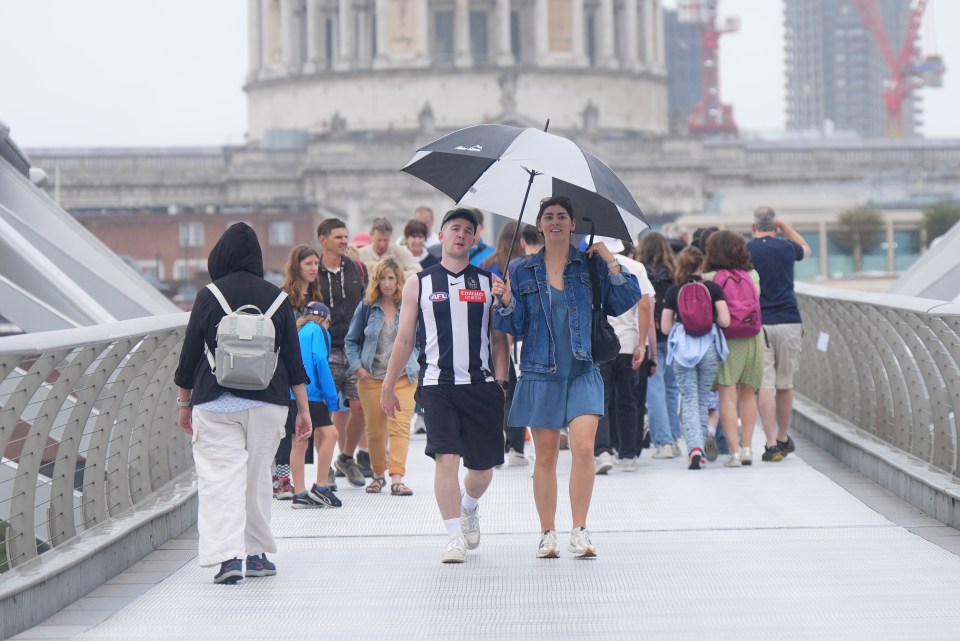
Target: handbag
x,y
604,344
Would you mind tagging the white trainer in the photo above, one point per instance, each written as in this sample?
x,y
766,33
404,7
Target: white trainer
x,y
516,459
628,464
664,451
733,460
581,545
746,456
456,550
676,448
603,463
548,546
470,526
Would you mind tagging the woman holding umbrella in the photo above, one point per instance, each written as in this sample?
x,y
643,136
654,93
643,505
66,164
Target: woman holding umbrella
x,y
548,306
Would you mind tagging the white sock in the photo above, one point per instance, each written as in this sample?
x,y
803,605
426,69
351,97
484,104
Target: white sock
x,y
452,525
468,502
712,429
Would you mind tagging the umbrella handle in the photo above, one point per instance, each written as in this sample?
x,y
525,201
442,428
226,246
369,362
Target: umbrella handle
x,y
498,300
590,240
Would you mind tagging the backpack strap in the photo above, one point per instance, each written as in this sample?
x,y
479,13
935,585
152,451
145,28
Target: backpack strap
x,y
219,296
276,305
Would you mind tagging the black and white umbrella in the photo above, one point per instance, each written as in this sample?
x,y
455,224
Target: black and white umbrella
x,y
489,166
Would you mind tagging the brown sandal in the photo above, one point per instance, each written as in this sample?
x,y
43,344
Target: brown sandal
x,y
376,485
399,489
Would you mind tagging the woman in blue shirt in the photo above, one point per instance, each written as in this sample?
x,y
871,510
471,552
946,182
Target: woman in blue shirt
x,y
548,306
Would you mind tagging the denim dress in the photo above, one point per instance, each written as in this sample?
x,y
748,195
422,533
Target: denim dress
x,y
535,401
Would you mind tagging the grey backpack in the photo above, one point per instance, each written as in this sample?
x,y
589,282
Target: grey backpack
x,y
245,357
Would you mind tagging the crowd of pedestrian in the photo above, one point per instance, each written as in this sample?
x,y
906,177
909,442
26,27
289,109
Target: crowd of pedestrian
x,y
439,332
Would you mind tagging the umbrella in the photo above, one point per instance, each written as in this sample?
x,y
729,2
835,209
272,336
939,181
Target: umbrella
x,y
489,166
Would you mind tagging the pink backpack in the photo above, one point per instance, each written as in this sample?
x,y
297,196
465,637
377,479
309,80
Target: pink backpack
x,y
695,306
740,294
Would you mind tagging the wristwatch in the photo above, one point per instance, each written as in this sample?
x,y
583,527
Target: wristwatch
x,y
183,404
613,263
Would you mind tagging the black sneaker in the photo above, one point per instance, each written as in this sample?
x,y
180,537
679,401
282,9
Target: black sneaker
x,y
258,566
230,572
350,469
304,501
787,446
772,454
324,496
363,462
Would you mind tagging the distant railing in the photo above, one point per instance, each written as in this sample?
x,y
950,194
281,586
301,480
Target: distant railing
x,y
87,428
889,365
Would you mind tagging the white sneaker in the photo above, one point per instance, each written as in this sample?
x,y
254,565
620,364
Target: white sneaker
x,y
456,550
733,460
664,451
603,463
581,545
746,456
628,464
675,446
418,427
470,526
516,459
548,546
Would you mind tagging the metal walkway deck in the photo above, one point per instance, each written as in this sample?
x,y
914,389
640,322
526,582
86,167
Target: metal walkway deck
x,y
803,549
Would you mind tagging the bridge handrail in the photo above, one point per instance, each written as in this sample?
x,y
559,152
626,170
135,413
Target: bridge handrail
x,y
887,363
87,428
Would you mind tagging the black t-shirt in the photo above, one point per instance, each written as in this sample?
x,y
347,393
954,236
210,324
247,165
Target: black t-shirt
x,y
716,294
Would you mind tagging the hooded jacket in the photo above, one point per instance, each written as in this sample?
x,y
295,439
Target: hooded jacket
x,y
235,265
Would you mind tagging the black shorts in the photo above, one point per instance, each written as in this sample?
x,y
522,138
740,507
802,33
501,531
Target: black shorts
x,y
466,420
319,416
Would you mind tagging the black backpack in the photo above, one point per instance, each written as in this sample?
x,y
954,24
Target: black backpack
x,y
661,281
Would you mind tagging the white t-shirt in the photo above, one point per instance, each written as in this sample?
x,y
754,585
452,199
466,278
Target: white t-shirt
x,y
625,325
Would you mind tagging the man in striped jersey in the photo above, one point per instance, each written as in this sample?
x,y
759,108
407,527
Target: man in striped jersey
x,y
448,307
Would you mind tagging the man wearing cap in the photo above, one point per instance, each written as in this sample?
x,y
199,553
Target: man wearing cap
x,y
450,305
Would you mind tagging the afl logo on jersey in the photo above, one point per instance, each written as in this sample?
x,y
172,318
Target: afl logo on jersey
x,y
438,297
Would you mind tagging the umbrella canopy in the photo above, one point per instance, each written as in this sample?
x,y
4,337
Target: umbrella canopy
x,y
490,167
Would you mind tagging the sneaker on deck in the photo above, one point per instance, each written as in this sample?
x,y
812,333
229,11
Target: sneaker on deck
x,y
664,451
516,459
710,447
258,566
564,439
695,459
303,501
772,454
363,462
456,550
282,488
628,464
350,469
470,526
230,572
581,545
675,446
419,427
746,456
732,460
332,480
787,446
548,546
324,496
603,463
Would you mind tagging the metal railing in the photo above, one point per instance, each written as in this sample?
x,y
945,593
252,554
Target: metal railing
x,y
87,428
887,364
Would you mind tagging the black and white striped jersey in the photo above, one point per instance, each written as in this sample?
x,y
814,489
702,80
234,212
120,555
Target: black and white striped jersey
x,y
454,326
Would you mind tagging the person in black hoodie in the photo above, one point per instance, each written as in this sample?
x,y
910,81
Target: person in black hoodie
x,y
235,432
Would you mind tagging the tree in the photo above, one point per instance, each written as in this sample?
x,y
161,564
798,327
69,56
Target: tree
x,y
938,219
859,230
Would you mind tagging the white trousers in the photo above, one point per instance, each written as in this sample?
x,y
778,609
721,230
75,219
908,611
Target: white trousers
x,y
232,452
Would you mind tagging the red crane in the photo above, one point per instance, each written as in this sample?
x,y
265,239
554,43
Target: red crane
x,y
906,71
710,115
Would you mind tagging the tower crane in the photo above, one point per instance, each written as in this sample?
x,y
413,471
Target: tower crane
x,y
907,71
709,115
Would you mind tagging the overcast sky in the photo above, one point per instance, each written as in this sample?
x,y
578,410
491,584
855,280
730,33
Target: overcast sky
x,y
170,72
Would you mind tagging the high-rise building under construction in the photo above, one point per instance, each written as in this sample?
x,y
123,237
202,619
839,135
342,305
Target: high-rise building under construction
x,y
835,72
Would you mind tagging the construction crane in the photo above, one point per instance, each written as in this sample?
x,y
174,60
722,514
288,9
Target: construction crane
x,y
907,71
710,115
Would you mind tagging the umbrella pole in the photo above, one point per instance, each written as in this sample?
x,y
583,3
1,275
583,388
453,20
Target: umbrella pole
x,y
533,174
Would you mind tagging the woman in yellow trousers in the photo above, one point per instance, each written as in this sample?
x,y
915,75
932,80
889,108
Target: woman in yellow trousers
x,y
368,345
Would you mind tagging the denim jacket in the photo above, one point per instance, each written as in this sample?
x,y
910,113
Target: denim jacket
x,y
363,356
528,315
